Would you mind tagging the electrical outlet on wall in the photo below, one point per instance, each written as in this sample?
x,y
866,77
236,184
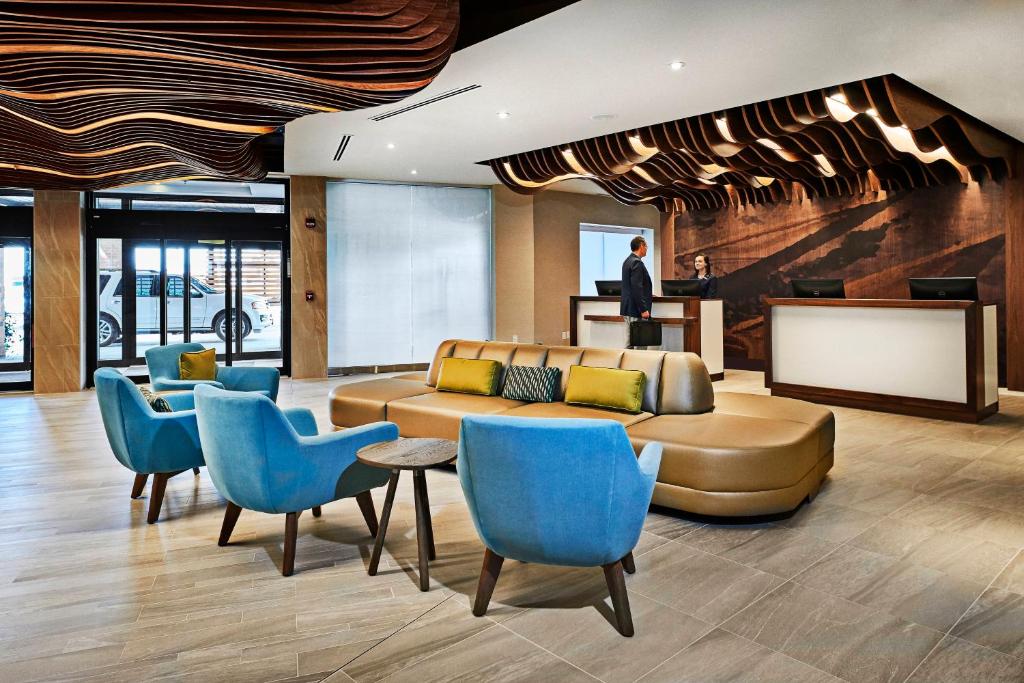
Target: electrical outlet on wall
x,y
515,338
565,335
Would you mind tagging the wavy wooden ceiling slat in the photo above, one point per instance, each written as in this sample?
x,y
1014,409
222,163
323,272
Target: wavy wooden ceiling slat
x,y
878,134
100,94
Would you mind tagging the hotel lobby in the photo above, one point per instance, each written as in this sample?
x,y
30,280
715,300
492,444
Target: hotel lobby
x,y
550,341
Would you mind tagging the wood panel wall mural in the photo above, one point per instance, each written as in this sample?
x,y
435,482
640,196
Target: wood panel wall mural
x,y
873,241
881,133
101,94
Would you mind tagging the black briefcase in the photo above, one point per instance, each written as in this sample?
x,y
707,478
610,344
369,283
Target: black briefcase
x,y
644,333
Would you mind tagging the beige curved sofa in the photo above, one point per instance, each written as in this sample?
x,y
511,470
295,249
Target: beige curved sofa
x,y
726,454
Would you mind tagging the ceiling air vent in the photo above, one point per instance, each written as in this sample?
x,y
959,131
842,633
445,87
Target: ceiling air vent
x,y
342,146
438,98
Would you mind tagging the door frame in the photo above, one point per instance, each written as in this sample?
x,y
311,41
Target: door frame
x,y
16,225
171,229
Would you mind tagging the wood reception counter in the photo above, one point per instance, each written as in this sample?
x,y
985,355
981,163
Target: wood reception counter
x,y
688,324
928,358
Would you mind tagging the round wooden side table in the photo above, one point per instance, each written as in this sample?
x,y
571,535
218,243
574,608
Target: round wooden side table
x,y
417,455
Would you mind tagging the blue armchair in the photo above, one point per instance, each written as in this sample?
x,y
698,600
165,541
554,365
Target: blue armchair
x,y
265,459
162,362
556,491
145,441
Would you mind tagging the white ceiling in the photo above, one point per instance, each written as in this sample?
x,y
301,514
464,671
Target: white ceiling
x,y
611,57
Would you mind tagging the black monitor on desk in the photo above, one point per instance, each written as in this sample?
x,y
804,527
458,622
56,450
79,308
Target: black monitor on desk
x,y
814,289
953,288
680,287
608,287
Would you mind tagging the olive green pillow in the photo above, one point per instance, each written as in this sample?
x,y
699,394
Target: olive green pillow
x,y
198,364
606,388
469,376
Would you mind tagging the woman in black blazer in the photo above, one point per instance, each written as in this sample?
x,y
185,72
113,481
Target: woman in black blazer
x,y
702,272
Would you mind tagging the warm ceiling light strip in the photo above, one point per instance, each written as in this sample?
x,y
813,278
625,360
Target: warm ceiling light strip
x,y
879,134
96,93
87,176
147,115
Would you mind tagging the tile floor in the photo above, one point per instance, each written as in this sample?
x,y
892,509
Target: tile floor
x,y
907,567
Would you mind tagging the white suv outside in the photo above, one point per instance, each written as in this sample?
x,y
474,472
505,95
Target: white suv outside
x,y
207,306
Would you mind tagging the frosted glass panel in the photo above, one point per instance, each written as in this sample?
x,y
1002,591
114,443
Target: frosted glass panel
x,y
603,251
408,266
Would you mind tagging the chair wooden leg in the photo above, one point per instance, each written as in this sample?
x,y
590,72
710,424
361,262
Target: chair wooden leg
x,y
291,534
620,600
230,517
156,496
365,501
628,564
140,483
385,515
317,511
195,471
488,578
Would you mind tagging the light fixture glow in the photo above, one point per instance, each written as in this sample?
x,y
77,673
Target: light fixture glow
x,y
676,65
413,171
503,115
391,145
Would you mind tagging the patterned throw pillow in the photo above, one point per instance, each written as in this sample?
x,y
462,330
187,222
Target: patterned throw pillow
x,y
527,383
155,401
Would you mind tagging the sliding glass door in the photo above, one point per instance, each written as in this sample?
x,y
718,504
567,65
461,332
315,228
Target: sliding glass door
x,y
158,283
15,313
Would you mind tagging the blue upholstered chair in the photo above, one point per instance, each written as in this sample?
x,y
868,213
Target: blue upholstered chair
x,y
269,460
556,491
162,362
145,441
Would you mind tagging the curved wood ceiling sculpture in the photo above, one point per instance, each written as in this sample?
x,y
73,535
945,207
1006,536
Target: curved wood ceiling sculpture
x,y
877,134
101,94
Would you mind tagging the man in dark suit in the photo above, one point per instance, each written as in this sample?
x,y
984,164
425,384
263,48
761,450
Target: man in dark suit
x,y
637,290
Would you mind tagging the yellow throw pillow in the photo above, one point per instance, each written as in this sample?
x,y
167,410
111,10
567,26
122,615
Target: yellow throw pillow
x,y
606,388
198,364
469,376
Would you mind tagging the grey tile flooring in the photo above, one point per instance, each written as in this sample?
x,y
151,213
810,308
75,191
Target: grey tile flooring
x,y
916,520
916,593
845,639
958,661
721,657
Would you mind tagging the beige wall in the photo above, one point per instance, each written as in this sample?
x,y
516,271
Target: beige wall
x,y
308,199
57,362
537,247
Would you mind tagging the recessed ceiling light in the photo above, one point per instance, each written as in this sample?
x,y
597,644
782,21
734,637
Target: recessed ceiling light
x,y
391,145
676,65
603,117
413,171
503,115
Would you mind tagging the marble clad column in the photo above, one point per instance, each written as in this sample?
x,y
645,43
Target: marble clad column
x,y
57,292
308,199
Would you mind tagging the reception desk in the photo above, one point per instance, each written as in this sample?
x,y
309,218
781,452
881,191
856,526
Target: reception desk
x,y
929,358
688,323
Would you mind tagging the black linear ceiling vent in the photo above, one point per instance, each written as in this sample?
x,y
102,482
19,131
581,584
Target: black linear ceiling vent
x,y
438,98
342,146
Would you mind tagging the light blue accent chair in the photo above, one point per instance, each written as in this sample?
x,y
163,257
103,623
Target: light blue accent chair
x,y
556,491
162,362
271,460
145,441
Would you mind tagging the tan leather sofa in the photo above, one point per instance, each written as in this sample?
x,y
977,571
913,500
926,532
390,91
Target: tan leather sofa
x,y
726,454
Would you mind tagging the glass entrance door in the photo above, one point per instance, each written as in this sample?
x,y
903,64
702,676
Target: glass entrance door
x,y
15,313
188,290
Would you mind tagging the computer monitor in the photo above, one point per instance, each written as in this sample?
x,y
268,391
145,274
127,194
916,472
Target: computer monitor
x,y
680,287
608,287
957,288
814,289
